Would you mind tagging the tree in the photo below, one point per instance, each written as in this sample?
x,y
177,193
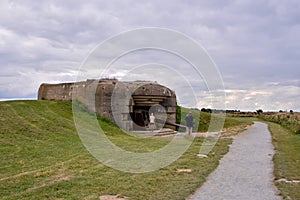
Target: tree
x,y
206,110
259,111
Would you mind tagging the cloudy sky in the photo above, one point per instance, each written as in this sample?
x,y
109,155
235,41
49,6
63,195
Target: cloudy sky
x,y
255,44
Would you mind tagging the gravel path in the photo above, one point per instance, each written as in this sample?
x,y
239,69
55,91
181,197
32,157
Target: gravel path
x,y
245,172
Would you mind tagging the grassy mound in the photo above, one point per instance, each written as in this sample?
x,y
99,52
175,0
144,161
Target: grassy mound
x,y
42,157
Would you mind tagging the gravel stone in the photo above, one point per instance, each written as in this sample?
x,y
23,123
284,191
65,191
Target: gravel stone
x,y
246,171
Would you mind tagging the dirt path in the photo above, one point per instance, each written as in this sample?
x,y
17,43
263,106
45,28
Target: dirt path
x,y
245,172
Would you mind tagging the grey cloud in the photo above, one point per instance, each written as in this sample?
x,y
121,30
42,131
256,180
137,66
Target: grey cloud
x,y
254,43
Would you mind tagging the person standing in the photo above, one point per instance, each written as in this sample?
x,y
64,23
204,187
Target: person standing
x,y
152,122
189,122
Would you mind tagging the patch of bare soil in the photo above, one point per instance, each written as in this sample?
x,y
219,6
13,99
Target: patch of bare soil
x,y
226,132
112,197
231,131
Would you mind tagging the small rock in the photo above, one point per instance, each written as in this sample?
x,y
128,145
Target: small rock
x,y
184,170
202,155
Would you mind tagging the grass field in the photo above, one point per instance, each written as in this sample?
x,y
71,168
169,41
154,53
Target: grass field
x,y
290,121
204,119
286,161
42,157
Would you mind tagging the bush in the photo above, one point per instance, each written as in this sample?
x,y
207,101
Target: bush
x,y
178,114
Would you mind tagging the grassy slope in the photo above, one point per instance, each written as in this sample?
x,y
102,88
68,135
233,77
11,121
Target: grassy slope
x,y
286,160
42,157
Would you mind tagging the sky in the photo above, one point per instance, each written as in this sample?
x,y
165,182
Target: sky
x,y
255,46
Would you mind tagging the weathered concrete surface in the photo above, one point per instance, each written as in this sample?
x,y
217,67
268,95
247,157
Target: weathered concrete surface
x,y
245,172
128,104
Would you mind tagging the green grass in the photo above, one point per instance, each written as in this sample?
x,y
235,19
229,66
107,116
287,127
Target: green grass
x,y
290,121
42,157
204,119
286,160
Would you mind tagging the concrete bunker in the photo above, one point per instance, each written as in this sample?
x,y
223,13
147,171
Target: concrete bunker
x,y
128,104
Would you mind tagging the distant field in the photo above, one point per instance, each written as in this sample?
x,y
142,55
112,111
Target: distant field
x,y
42,157
204,120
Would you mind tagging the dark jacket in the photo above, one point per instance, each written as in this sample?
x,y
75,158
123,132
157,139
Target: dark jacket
x,y
189,120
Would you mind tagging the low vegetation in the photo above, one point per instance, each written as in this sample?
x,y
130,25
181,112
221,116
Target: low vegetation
x,y
286,161
204,119
42,157
290,120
